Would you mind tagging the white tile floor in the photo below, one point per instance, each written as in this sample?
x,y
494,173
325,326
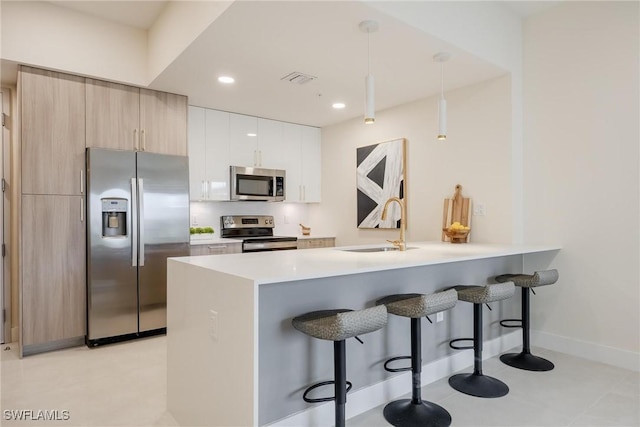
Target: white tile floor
x,y
125,384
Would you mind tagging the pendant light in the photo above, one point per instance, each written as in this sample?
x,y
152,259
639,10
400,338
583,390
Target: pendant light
x,y
369,85
442,57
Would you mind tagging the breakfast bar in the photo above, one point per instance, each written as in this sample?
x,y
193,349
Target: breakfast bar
x,y
234,358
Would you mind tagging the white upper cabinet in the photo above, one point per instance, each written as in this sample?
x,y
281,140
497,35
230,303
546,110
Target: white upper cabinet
x,y
218,140
304,163
217,155
208,154
197,153
243,140
311,160
272,146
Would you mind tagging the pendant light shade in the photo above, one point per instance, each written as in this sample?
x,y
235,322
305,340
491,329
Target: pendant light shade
x,y
442,118
369,100
442,57
369,82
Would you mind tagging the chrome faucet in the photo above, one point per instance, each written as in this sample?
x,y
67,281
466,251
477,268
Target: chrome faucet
x,y
400,244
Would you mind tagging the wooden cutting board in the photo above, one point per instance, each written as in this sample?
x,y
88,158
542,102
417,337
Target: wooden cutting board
x,y
457,208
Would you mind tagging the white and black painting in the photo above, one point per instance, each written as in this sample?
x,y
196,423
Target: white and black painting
x,y
380,176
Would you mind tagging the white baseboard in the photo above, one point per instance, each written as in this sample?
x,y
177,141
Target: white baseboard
x,y
374,395
587,350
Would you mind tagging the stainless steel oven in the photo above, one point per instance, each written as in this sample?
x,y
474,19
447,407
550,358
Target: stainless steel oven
x,y
257,184
256,233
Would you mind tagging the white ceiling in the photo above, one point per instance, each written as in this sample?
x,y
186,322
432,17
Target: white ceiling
x,y
259,42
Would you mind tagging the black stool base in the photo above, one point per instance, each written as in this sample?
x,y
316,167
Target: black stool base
x,y
478,385
404,413
526,361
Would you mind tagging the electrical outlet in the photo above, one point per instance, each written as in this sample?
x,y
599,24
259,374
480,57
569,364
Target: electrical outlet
x,y
213,325
286,219
439,316
194,220
478,209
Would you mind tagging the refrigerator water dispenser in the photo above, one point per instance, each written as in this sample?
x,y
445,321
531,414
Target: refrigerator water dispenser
x,y
114,217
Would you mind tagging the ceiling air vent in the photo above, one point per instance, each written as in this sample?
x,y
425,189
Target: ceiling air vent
x,y
298,78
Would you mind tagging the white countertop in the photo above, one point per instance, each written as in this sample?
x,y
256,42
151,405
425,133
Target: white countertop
x,y
285,266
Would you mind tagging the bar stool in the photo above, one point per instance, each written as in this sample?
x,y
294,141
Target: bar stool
x,y
415,411
338,325
525,360
477,384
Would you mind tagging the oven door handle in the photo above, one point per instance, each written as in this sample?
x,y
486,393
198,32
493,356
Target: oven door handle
x,y
265,246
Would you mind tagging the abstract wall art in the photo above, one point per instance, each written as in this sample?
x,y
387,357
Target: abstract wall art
x,y
380,175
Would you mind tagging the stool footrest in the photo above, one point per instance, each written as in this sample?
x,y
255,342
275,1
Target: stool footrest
x,y
516,323
394,359
322,399
460,347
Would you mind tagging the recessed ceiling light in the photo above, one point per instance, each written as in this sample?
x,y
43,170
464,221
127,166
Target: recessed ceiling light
x,y
226,79
338,105
252,134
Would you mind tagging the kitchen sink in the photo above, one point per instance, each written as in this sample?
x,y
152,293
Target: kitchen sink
x,y
377,249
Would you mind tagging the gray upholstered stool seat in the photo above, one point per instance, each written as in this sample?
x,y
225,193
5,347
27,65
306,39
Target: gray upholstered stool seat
x,y
478,384
525,360
415,411
539,278
338,325
419,305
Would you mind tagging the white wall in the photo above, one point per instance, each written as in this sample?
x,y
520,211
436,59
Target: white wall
x,y
287,216
45,35
492,32
582,172
476,155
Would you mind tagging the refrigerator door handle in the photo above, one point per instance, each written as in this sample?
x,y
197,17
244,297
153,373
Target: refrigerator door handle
x,y
134,223
141,219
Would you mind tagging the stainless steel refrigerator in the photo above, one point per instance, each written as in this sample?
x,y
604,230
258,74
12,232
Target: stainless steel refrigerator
x,y
138,215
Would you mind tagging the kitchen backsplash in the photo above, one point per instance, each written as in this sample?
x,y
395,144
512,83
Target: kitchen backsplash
x,y
287,216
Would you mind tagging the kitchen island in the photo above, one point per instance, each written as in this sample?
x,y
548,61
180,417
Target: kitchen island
x,y
234,358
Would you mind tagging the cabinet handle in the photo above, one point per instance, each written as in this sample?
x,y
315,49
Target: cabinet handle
x,y
255,157
259,157
208,188
304,192
81,209
217,247
144,140
202,190
81,181
135,139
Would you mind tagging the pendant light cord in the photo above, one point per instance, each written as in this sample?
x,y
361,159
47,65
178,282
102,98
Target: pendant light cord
x,y
368,52
442,80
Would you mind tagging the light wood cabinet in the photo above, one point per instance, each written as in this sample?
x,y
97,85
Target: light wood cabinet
x,y
319,242
163,122
128,118
113,115
216,249
53,268
52,131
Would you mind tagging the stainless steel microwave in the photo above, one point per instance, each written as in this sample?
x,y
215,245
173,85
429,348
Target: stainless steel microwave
x,y
257,184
